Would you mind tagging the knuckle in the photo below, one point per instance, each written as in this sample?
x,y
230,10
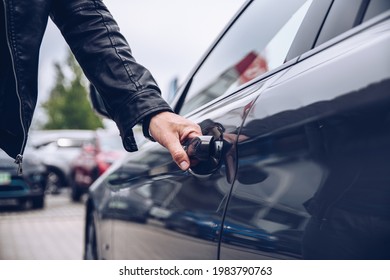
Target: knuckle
x,y
177,155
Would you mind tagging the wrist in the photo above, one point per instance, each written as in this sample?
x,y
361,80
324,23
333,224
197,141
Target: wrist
x,y
146,125
145,128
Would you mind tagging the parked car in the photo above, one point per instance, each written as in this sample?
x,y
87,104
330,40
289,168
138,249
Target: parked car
x,y
57,149
293,99
95,157
25,189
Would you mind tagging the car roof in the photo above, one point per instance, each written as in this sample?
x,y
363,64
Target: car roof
x,y
39,137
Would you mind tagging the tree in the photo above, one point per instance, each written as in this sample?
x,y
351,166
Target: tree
x,y
68,106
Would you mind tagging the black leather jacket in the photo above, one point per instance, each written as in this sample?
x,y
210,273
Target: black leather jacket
x,y
127,88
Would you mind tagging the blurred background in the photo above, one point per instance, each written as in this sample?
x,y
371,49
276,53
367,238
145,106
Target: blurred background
x,y
168,37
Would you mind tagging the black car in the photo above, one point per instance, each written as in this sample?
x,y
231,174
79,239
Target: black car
x,y
293,99
26,189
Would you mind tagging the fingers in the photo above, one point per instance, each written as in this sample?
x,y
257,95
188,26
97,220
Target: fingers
x,y
171,130
178,154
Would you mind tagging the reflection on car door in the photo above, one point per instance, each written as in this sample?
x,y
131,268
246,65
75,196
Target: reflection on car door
x,y
160,212
308,152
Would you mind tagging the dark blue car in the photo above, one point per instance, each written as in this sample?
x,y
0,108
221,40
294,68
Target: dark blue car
x,y
26,189
293,99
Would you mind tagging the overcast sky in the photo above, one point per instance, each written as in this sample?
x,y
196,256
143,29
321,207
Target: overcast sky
x,y
166,36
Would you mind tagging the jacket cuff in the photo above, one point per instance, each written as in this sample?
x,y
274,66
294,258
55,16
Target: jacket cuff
x,y
146,122
139,109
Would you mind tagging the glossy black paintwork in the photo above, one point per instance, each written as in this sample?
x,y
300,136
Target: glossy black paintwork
x,y
305,134
321,122
179,214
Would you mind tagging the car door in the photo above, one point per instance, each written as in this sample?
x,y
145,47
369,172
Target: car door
x,y
307,151
160,212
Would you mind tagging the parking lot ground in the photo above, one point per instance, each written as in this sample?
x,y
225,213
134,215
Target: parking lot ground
x,y
53,233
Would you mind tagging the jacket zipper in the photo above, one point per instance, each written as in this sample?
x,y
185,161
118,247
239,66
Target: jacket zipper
x,y
19,162
19,157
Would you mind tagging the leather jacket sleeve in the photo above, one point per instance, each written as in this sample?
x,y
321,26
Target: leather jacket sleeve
x,y
127,88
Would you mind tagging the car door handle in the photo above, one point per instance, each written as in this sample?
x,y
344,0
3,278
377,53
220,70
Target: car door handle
x,y
202,148
206,151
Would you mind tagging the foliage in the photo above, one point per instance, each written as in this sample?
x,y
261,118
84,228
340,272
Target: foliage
x,y
68,106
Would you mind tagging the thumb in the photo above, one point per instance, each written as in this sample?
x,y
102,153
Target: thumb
x,y
178,154
170,130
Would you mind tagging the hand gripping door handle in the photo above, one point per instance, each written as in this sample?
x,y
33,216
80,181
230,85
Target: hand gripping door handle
x,y
206,151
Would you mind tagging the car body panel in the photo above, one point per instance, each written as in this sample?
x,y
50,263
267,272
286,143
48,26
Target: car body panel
x,y
93,159
57,149
284,136
279,129
27,187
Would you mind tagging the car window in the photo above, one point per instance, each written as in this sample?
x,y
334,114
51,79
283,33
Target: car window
x,y
375,8
346,14
341,18
70,142
257,42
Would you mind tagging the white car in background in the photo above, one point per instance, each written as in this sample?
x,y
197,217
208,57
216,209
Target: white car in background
x,y
57,149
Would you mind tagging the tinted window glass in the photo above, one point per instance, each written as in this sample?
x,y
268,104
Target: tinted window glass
x,y
343,15
257,42
375,8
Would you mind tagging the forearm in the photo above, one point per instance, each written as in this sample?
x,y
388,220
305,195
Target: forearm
x,y
128,89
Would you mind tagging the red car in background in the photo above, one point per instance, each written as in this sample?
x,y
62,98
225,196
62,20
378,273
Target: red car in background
x,y
95,158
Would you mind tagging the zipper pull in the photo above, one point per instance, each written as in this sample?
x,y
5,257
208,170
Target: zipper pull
x,y
19,162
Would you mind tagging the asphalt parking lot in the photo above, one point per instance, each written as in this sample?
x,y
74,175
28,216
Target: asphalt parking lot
x,y
53,233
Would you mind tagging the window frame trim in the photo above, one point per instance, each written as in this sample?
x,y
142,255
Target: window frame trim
x,y
179,100
355,18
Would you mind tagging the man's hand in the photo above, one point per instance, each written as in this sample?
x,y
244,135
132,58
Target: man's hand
x,y
171,130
